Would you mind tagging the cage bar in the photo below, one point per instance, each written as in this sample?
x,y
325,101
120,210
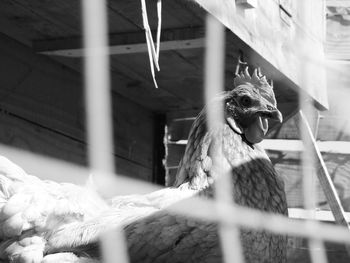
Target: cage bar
x,y
99,115
214,76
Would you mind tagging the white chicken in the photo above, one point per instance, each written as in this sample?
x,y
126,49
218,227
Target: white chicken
x,y
32,208
44,221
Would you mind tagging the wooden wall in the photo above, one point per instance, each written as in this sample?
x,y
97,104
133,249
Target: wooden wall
x,y
42,110
287,34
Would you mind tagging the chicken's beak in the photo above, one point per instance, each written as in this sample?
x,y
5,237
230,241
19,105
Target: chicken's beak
x,y
271,113
276,115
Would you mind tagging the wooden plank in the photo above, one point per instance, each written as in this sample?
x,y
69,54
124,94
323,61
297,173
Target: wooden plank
x,y
46,95
133,131
338,3
37,18
337,46
185,12
46,19
26,135
14,31
130,169
140,89
331,147
129,84
66,17
181,114
177,73
123,38
30,137
281,145
39,89
131,48
182,79
320,215
125,43
256,26
174,77
132,84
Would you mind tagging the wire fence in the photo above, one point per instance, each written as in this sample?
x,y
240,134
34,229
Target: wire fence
x,y
229,216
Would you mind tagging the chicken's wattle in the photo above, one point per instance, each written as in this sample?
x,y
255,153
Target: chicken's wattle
x,y
256,131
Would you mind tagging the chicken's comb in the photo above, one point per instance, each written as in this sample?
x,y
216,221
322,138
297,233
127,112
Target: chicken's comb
x,y
244,78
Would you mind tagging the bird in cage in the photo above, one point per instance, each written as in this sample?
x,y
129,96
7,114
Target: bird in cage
x,y
44,221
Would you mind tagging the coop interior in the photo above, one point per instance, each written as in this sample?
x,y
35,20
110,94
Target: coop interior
x,y
43,111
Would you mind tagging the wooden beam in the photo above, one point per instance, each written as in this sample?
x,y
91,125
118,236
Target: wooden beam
x,y
334,147
132,48
320,215
125,43
338,3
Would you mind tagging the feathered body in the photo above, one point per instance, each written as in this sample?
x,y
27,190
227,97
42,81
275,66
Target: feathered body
x,y
255,182
153,233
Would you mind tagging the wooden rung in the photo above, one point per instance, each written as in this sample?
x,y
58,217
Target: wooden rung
x,y
283,145
286,145
320,215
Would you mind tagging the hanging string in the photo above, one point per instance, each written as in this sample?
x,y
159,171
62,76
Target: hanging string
x,y
153,52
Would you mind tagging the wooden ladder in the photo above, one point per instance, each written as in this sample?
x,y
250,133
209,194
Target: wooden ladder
x,y
326,180
327,183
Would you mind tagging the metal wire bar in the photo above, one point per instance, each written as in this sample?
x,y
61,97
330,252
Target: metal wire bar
x,y
229,216
317,251
254,219
98,110
308,155
214,83
97,85
241,216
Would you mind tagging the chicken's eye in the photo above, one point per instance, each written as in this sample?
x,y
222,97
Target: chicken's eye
x,y
246,101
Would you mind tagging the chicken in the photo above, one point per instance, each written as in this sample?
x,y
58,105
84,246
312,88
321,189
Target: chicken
x,y
31,208
232,147
47,222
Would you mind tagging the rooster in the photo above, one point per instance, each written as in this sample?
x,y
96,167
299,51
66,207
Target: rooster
x,y
42,221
